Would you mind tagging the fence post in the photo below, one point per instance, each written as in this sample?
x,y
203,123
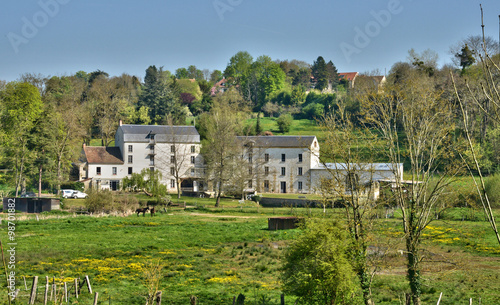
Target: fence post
x,y
25,286
439,300
282,299
33,290
158,298
46,294
88,284
95,298
66,292
76,288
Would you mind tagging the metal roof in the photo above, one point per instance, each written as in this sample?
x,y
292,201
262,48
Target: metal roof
x,y
278,141
163,133
360,166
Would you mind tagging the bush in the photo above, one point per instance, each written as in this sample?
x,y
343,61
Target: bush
x,y
284,122
99,201
492,184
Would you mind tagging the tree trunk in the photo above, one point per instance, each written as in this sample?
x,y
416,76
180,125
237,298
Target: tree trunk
x,y
413,272
40,180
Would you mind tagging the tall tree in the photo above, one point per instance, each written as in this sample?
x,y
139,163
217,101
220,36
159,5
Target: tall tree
x,y
320,73
220,148
238,67
413,115
465,57
21,107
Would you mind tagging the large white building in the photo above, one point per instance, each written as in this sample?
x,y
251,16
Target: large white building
x,y
276,164
173,150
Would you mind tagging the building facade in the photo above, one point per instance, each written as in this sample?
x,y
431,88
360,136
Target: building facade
x,y
270,164
173,150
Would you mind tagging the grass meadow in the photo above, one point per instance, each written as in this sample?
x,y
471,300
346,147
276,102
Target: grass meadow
x,y
217,254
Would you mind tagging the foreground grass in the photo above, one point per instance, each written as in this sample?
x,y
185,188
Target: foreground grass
x,y
216,254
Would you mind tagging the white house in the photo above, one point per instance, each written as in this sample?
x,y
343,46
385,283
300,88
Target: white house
x,y
281,164
173,150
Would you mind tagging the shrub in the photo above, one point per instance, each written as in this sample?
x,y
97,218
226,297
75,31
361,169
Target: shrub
x,y
99,201
492,184
284,122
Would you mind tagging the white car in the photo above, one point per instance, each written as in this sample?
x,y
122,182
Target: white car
x,y
78,194
67,193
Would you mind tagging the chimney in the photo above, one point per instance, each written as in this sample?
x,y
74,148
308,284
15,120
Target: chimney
x,y
121,122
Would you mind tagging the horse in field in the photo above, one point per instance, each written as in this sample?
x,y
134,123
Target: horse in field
x,y
152,211
142,210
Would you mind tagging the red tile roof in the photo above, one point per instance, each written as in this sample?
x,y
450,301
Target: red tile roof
x,y
103,155
348,75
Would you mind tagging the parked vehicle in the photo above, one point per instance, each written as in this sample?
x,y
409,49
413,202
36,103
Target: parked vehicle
x,y
67,193
28,195
79,195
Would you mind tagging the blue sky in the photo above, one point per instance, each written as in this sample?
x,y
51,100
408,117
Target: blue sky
x,y
60,37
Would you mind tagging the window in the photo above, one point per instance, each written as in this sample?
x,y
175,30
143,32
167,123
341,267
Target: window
x,y
172,159
172,183
300,158
151,160
266,157
266,170
266,185
98,171
193,159
283,158
250,158
114,170
130,159
283,171
250,171
299,186
193,149
299,171
172,171
172,149
130,170
152,170
130,148
192,171
250,184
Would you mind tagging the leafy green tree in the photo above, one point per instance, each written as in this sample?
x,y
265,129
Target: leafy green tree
x,y
21,106
298,95
333,75
238,67
147,181
216,76
181,73
258,127
284,122
316,266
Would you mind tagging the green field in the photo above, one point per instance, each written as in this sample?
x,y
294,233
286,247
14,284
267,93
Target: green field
x,y
216,254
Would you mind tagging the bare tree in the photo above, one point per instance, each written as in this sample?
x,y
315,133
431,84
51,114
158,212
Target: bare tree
x,y
488,90
220,147
351,182
416,124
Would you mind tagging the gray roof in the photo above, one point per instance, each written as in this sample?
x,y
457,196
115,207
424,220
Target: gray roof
x,y
360,166
163,133
278,141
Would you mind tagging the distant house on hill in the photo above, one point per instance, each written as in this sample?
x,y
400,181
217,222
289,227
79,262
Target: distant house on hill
x,y
348,78
219,87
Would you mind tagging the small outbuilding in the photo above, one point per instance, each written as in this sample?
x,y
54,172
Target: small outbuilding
x,y
282,223
32,205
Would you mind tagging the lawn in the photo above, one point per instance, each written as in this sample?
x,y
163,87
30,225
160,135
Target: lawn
x,y
218,253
